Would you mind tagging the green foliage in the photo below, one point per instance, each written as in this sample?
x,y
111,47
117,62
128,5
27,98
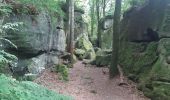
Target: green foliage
x,y
9,26
53,6
80,53
5,9
3,30
63,71
11,89
6,58
83,43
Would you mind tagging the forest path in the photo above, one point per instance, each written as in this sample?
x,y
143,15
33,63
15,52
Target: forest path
x,y
89,83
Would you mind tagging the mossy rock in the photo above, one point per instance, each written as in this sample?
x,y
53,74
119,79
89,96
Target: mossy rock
x,y
80,53
84,44
103,57
63,71
148,67
10,89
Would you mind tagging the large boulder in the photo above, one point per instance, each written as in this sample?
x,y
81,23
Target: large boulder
x,y
148,67
138,18
84,44
103,58
106,29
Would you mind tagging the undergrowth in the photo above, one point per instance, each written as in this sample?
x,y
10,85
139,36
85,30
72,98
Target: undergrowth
x,y
63,71
10,89
53,6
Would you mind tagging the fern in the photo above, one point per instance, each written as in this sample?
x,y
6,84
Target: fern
x,y
9,26
9,42
12,26
5,9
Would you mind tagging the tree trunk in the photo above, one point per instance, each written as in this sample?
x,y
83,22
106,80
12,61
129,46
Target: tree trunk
x,y
67,29
115,46
71,21
92,17
49,37
104,7
98,22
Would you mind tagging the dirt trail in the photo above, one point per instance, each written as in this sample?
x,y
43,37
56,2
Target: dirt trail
x,y
89,83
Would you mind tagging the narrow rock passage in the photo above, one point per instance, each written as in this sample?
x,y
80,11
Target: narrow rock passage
x,y
89,83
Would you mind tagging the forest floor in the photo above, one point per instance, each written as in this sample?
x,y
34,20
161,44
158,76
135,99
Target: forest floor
x,y
87,82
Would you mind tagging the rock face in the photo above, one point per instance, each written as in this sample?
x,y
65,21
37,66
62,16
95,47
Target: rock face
x,y
35,35
85,48
137,19
148,64
103,58
41,40
107,31
80,25
38,43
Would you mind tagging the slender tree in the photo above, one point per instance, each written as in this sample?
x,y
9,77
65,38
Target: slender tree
x,y
115,46
104,8
71,31
92,16
67,28
98,24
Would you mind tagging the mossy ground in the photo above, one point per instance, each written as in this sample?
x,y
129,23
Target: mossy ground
x,y
10,89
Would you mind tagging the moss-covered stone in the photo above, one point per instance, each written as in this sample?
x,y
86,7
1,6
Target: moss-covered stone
x,y
147,65
63,71
83,44
80,53
103,57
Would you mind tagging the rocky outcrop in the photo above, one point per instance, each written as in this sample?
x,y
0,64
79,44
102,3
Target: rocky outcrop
x,y
106,29
36,35
80,26
103,58
39,41
137,19
85,48
148,63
